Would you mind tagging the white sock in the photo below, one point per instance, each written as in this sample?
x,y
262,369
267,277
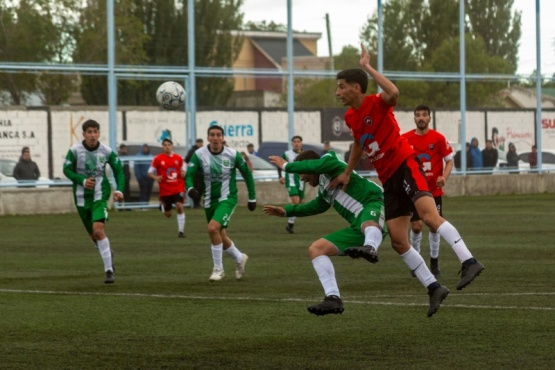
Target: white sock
x,y
415,240
416,263
217,255
373,236
234,253
105,253
326,274
453,238
434,239
291,220
181,222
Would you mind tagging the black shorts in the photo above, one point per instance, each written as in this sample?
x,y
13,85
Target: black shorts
x,y
403,188
167,201
439,206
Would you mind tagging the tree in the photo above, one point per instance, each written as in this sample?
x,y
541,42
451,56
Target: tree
x,y
155,33
29,35
422,35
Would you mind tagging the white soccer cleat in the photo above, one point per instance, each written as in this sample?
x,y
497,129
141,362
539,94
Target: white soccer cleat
x,y
217,274
240,269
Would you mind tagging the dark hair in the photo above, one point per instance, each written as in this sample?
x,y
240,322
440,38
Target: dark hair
x,y
25,149
297,137
307,155
534,146
166,139
250,145
199,140
215,127
422,107
90,123
354,75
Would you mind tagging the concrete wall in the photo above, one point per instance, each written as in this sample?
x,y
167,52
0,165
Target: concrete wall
x,y
27,201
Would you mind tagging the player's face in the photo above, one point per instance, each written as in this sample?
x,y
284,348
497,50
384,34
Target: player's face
x,y
91,136
347,93
297,145
167,147
311,179
422,119
216,140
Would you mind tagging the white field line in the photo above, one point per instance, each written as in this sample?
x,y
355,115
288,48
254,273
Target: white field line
x,y
363,302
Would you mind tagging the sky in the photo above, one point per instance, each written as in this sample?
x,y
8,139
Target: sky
x,y
347,21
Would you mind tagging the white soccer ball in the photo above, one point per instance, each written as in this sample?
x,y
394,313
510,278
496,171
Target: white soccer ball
x,y
170,95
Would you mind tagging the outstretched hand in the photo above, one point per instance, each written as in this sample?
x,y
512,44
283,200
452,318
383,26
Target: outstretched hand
x,y
278,161
274,211
364,56
341,180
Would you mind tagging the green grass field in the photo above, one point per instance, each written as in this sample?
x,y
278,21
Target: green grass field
x,y
163,313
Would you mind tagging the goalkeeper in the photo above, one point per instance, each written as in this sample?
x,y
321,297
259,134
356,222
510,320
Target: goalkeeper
x,y
361,205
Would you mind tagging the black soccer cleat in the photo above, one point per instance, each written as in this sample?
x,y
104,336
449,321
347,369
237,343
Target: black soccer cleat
x,y
181,234
330,304
434,267
290,228
436,297
469,273
367,252
110,277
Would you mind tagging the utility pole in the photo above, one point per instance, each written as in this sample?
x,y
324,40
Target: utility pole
x,y
332,64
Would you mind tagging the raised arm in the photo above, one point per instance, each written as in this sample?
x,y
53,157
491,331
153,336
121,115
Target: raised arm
x,y
390,92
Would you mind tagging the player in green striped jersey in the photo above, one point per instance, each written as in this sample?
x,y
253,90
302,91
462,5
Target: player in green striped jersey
x,y
85,166
360,204
292,181
219,165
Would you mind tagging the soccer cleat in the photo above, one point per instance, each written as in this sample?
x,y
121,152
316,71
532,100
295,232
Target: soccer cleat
x,y
110,277
367,252
290,229
240,268
217,274
330,304
434,267
180,234
469,273
436,297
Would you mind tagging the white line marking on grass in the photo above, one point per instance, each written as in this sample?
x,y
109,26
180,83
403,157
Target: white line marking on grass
x,y
376,303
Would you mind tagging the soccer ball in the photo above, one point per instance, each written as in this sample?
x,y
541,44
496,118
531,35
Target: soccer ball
x,y
170,95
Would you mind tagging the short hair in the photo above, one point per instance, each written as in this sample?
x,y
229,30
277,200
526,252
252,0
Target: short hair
x,y
90,123
199,140
121,146
307,155
215,127
354,75
422,107
297,137
534,146
250,145
166,139
25,149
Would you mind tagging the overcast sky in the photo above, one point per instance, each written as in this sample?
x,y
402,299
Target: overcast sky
x,y
347,21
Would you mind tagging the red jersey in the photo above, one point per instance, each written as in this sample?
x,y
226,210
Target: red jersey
x,y
169,167
431,149
374,126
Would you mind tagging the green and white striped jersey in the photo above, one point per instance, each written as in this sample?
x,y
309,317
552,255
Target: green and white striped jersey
x,y
82,163
219,173
292,179
348,203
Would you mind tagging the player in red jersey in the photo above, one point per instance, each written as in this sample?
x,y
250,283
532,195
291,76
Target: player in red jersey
x,y
376,133
432,151
167,170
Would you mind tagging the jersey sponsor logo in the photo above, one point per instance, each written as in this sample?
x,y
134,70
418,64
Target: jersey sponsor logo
x,y
171,174
368,145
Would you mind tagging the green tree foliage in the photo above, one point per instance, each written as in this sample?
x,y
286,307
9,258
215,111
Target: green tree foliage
x,y
29,35
155,33
420,35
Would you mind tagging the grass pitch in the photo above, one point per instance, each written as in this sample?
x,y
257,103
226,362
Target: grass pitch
x,y
163,313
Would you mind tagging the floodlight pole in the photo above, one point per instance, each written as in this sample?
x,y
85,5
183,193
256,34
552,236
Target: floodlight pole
x,y
290,82
192,93
462,83
112,86
538,88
